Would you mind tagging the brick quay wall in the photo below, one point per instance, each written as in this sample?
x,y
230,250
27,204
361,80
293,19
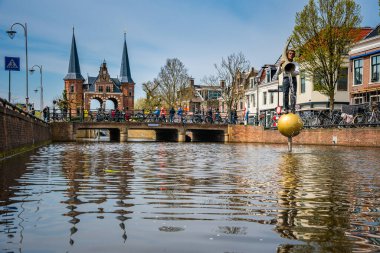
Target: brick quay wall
x,y
20,131
363,137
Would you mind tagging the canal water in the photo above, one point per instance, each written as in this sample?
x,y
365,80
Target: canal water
x,y
187,197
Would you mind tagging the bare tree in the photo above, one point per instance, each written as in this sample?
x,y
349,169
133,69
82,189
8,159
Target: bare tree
x,y
173,82
324,33
152,94
230,71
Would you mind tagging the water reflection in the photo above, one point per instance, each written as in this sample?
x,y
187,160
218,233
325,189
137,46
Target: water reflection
x,y
317,192
174,197
94,178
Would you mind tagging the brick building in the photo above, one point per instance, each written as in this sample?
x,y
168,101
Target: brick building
x,y
103,87
364,74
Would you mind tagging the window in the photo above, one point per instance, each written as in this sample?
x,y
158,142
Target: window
x,y
253,98
303,83
108,89
271,100
251,82
342,79
214,94
264,98
375,68
358,100
248,102
100,88
375,98
358,71
268,76
72,88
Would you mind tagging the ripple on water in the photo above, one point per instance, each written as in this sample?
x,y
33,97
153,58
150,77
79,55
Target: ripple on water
x,y
240,195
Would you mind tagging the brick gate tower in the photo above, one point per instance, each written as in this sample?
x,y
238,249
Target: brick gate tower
x,y
74,81
102,87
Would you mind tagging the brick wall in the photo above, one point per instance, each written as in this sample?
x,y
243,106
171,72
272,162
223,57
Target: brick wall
x,y
62,131
365,137
19,130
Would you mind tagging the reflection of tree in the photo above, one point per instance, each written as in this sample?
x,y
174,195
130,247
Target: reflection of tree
x,y
232,230
313,203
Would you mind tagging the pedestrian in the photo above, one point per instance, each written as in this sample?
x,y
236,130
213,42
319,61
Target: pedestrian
x,y
235,116
163,114
45,113
171,115
156,113
180,113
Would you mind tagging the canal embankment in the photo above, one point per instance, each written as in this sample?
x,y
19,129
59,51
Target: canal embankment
x,y
20,131
356,137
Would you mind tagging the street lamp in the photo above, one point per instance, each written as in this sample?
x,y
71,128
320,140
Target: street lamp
x,y
41,87
11,33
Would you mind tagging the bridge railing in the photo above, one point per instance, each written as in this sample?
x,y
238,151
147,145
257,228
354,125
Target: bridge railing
x,y
58,115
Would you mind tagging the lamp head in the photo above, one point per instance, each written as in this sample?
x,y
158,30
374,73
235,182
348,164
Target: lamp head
x,y
31,71
11,33
36,90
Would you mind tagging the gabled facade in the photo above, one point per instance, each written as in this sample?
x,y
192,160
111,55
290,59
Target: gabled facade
x,y
364,69
102,87
203,97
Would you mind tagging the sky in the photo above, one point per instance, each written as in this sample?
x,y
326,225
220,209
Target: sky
x,y
197,32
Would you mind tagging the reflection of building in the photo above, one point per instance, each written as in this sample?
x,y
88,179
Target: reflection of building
x,y
102,87
364,74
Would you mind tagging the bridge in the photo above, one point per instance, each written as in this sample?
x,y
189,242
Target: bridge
x,y
176,132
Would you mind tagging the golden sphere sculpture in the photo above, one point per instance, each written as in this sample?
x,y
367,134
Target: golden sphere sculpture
x,y
290,125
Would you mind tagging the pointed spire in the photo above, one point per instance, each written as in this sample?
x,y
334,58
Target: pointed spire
x,y
74,68
125,71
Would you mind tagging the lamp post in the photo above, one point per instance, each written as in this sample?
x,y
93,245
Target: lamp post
x,y
41,87
257,81
11,33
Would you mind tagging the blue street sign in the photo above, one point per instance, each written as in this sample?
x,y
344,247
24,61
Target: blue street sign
x,y
12,63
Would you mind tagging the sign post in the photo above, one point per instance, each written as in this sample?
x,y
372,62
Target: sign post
x,y
11,64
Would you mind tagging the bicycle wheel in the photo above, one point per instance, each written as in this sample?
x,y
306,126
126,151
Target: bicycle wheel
x,y
315,121
360,119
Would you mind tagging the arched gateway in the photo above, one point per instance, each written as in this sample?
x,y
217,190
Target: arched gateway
x,y
81,92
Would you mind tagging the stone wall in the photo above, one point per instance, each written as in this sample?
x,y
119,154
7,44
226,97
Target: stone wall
x,y
364,137
20,131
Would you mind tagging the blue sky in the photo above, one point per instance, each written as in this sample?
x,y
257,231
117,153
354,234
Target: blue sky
x,y
198,32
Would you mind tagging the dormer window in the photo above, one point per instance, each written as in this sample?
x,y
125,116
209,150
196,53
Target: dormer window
x,y
268,76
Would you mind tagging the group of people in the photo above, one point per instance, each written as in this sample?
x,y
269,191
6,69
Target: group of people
x,y
161,113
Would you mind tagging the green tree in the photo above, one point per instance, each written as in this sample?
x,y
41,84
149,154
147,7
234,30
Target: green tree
x,y
62,101
323,34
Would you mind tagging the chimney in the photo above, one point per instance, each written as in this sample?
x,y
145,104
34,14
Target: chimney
x,y
222,83
191,82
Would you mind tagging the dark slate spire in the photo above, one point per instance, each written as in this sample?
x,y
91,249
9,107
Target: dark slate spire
x,y
74,68
125,71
